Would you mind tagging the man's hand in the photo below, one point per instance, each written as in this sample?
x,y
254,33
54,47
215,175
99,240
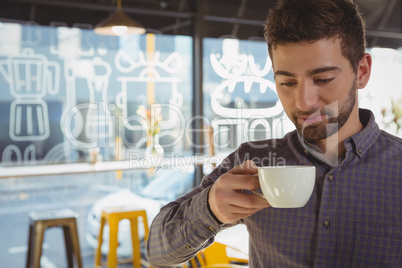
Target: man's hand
x,y
226,199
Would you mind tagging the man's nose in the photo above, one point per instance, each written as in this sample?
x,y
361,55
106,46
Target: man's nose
x,y
306,96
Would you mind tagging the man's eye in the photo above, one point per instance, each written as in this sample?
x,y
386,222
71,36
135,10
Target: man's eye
x,y
324,81
288,84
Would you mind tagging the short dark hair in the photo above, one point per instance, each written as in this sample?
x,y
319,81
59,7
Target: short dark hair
x,y
311,20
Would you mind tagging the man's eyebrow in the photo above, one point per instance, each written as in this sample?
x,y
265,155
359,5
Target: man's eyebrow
x,y
323,70
284,73
309,73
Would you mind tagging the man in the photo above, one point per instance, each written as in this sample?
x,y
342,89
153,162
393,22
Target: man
x,y
354,217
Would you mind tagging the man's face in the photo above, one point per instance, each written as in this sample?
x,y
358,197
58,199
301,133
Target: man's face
x,y
317,87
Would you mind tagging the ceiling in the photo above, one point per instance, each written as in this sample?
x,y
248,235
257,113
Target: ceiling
x,y
215,18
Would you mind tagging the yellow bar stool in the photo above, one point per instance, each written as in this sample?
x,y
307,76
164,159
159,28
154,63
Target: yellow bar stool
x,y
215,256
113,216
42,220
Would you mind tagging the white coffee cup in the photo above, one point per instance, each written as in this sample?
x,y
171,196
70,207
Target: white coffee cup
x,y
286,186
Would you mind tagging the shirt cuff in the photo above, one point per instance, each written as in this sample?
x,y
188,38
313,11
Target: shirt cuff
x,y
202,218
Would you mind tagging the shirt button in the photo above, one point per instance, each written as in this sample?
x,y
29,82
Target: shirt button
x,y
305,151
360,151
330,177
326,223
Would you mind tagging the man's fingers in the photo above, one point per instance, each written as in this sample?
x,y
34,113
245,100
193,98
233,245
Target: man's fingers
x,y
239,182
237,201
247,167
226,198
232,213
249,201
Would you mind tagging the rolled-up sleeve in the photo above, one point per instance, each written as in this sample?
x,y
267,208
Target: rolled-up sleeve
x,y
181,229
187,225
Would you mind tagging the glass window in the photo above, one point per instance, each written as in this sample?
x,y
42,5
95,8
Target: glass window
x,y
67,92
240,99
383,93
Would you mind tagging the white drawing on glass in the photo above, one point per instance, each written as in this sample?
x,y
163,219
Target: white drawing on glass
x,y
77,49
150,75
9,153
60,152
97,73
30,76
56,154
247,82
98,81
171,64
67,43
33,34
244,78
12,154
30,153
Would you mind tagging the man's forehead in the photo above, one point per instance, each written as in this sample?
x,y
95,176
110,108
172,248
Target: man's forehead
x,y
309,52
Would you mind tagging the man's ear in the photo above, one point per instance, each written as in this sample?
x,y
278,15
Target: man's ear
x,y
364,70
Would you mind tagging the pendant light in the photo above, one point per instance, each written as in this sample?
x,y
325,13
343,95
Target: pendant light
x,y
118,24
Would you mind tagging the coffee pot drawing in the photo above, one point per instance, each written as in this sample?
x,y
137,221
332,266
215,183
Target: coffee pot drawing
x,y
30,76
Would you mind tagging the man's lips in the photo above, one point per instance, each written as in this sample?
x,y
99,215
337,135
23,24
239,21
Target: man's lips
x,y
311,119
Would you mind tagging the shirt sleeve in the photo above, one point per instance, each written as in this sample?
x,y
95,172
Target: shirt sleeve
x,y
185,226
